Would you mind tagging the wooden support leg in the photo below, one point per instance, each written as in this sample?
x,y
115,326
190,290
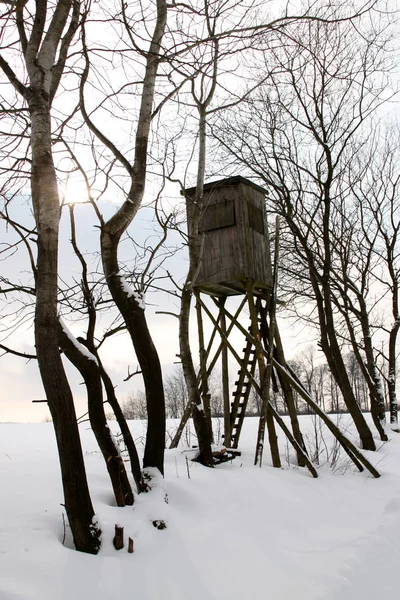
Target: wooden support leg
x,y
259,392
225,378
265,380
188,410
356,456
285,387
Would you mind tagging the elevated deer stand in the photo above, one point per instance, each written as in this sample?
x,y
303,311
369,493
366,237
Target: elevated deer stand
x,y
235,261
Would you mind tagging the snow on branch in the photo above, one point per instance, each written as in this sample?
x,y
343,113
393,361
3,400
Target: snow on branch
x,y
131,292
82,349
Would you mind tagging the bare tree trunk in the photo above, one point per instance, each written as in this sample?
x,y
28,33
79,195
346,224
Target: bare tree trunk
x,y
87,360
128,303
204,388
391,380
46,205
44,48
336,364
90,372
368,366
203,431
135,320
372,376
184,419
199,417
392,358
329,342
126,433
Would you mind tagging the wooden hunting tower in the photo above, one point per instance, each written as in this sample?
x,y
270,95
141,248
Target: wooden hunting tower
x,y
235,260
236,245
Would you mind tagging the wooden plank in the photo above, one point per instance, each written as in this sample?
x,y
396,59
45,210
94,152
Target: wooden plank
x,y
217,216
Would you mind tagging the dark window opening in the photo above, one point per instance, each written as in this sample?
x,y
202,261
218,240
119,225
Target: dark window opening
x,y
217,216
256,218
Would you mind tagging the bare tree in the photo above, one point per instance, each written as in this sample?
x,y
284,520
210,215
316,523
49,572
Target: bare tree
x,y
175,393
129,302
377,194
134,406
358,382
38,42
350,290
299,134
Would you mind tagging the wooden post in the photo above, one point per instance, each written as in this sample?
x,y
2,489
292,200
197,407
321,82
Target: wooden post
x,y
118,540
273,440
225,377
130,545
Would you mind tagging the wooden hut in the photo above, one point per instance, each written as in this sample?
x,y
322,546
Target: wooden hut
x,y
236,246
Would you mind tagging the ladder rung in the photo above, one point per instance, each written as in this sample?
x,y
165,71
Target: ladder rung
x,y
244,383
239,406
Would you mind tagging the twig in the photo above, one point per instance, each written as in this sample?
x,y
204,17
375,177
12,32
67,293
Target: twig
x,y
65,529
164,312
130,375
187,467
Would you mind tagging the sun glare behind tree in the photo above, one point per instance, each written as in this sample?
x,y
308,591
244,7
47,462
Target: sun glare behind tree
x,y
74,191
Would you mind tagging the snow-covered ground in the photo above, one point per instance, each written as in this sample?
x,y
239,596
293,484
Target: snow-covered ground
x,y
234,532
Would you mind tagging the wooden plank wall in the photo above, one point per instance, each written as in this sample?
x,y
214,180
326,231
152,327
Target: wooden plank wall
x,y
233,253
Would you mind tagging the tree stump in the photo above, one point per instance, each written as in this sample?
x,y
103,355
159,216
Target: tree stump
x,y
118,540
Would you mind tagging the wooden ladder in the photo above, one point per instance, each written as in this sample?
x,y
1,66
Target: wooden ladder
x,y
241,394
